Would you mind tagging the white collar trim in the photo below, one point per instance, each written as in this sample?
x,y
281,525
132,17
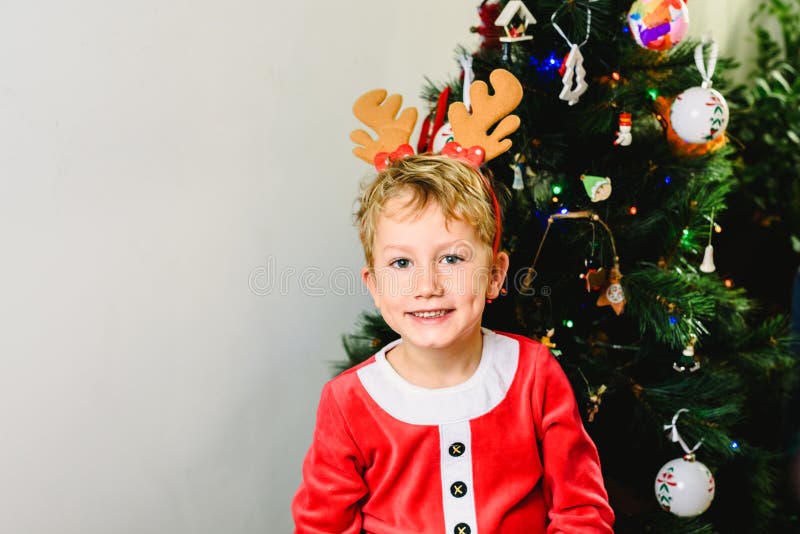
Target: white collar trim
x,y
425,406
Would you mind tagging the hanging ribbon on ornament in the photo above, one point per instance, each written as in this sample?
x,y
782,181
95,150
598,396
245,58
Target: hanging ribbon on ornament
x,y
706,71
574,76
676,437
469,75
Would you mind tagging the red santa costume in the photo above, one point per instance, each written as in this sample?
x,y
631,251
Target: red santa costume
x,y
503,452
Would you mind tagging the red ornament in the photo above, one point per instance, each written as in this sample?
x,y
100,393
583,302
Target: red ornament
x,y
488,13
563,68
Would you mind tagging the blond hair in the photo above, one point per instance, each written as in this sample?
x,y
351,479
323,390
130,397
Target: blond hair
x,y
458,188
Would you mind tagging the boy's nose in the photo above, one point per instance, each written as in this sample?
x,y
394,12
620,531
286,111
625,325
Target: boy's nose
x,y
429,282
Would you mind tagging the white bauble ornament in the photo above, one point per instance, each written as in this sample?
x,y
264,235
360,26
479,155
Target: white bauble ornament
x,y
685,487
442,136
699,115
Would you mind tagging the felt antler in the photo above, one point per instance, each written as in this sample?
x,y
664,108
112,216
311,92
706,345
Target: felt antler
x,y
381,116
471,129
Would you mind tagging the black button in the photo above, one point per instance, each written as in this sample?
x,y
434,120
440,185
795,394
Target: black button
x,y
457,449
462,528
458,489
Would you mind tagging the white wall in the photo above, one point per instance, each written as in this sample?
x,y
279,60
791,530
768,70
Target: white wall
x,y
728,22
154,156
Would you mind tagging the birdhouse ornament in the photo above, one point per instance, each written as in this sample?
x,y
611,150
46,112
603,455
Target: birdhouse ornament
x,y
515,19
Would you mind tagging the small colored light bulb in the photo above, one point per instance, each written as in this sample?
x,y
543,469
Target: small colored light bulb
x,y
672,320
717,228
728,283
556,189
568,323
633,210
653,92
564,210
615,76
668,180
555,199
734,445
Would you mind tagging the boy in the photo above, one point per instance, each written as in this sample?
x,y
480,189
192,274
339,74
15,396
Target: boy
x,y
452,428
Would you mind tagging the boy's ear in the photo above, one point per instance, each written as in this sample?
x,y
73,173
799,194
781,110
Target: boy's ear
x,y
368,277
498,275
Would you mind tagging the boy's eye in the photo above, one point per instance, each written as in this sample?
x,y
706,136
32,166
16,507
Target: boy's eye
x,y
452,259
401,263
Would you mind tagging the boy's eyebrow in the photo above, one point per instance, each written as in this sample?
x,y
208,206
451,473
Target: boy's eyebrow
x,y
440,246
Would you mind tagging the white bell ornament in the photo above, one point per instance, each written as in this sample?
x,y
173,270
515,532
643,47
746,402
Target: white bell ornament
x,y
708,260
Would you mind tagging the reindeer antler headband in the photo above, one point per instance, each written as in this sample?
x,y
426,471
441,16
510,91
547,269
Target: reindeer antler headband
x,y
470,128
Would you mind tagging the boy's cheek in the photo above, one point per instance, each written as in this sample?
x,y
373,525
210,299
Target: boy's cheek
x,y
386,282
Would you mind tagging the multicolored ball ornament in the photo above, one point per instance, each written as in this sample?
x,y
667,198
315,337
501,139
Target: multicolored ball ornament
x,y
699,115
658,24
684,486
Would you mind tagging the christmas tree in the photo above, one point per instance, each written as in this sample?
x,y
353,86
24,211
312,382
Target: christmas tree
x,y
614,189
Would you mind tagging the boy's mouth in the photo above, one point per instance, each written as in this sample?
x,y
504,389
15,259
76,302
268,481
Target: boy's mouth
x,y
430,313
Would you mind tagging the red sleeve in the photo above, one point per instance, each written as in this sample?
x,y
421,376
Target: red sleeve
x,y
573,482
329,498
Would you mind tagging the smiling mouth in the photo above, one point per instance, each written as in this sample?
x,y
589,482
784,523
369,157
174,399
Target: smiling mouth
x,y
428,314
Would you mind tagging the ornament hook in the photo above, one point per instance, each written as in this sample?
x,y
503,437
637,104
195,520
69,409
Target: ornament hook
x,y
676,437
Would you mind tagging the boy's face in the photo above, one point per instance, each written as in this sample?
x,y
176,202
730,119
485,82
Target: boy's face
x,y
431,279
